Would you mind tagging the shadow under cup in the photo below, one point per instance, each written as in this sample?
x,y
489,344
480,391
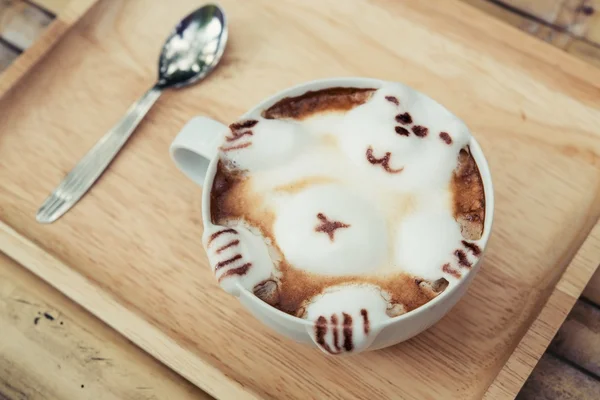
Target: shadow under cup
x,y
193,160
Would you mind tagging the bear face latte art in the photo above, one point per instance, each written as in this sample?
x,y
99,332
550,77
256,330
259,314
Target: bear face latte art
x,y
346,207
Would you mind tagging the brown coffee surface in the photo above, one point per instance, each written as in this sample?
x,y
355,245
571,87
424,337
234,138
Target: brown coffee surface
x,y
291,289
313,102
468,196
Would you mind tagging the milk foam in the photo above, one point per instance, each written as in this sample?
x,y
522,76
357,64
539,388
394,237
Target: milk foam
x,y
361,192
428,161
273,142
354,248
332,147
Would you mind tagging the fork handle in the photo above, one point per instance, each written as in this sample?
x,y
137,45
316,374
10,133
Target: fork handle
x,y
81,178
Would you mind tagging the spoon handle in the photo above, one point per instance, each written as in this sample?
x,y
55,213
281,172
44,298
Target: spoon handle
x,y
92,165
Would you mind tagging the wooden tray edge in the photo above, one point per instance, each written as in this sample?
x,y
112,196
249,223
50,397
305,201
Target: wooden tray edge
x,y
126,322
55,31
536,340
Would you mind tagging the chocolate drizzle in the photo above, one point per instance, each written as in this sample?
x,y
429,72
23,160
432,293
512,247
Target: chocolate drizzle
x,y
236,271
228,245
250,123
393,99
384,161
321,331
219,233
405,118
365,315
400,130
329,227
473,247
420,131
446,137
238,131
224,263
237,135
463,261
322,328
449,270
237,147
348,345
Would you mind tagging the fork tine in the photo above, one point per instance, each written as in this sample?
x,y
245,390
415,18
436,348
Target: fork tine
x,y
50,200
46,213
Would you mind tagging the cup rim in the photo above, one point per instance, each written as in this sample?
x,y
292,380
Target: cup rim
x,y
363,82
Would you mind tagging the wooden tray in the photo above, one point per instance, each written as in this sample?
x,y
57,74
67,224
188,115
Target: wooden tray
x,y
130,251
59,26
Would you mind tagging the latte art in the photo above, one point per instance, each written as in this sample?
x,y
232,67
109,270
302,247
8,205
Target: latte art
x,y
346,207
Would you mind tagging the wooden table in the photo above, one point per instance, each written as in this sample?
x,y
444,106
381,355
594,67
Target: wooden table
x,y
52,348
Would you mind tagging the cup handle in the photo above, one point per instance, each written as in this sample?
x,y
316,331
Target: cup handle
x,y
195,146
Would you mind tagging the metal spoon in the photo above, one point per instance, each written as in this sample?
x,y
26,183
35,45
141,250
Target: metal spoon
x,y
192,51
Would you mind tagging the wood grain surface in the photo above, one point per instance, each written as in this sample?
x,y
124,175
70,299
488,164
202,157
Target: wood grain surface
x,y
52,348
510,98
571,25
43,43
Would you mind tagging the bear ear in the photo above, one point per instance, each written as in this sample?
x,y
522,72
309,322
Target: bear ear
x,y
239,259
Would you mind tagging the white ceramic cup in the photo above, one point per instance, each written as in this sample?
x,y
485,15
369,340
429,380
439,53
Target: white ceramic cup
x,y
195,150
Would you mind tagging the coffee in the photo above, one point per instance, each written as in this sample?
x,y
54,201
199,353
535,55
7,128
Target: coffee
x,y
341,188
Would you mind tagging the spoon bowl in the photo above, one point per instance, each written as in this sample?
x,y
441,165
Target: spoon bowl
x,y
194,47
